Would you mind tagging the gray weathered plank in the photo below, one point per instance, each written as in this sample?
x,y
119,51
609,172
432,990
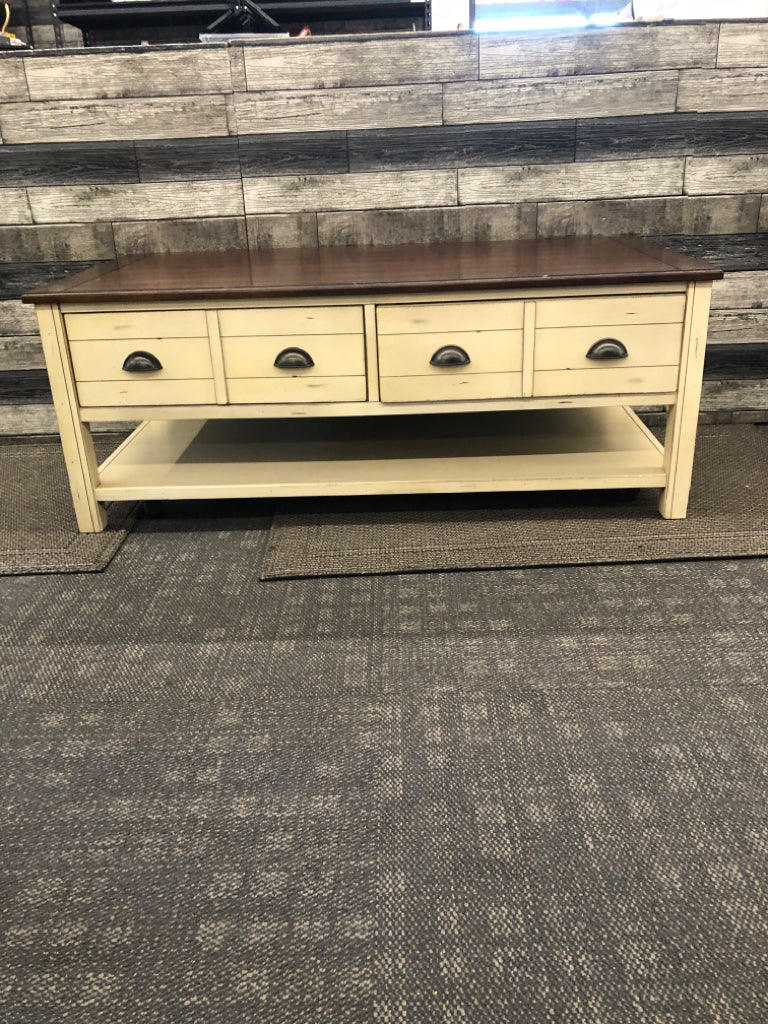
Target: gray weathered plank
x,y
197,234
738,325
27,419
497,223
383,190
14,83
711,175
545,99
389,227
21,352
113,120
282,231
14,206
547,182
170,200
134,73
16,318
743,44
636,47
37,243
674,215
763,219
745,290
722,90
68,163
734,394
334,109
237,69
324,63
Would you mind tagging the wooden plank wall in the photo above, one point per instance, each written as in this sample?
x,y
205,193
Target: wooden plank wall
x,y
657,129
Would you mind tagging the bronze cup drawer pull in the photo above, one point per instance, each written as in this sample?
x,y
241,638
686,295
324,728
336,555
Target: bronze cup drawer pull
x,y
294,358
142,362
607,348
450,355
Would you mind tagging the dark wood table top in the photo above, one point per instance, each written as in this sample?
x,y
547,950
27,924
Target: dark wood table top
x,y
345,270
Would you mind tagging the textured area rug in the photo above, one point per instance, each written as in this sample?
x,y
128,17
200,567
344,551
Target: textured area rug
x,y
727,517
38,529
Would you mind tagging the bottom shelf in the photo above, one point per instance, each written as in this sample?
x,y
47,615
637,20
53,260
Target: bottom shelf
x,y
503,451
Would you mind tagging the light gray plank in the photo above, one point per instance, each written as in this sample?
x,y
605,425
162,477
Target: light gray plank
x,y
745,290
16,318
27,419
38,243
763,219
14,207
95,75
547,99
203,234
66,121
325,63
14,85
743,44
723,90
332,109
170,200
638,47
237,69
389,227
674,215
21,352
738,326
379,190
282,231
605,179
713,175
734,394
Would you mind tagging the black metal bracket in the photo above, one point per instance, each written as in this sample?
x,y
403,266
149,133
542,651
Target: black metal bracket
x,y
248,15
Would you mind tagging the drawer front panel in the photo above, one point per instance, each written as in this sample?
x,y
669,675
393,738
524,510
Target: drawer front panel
x,y
453,387
270,390
402,355
146,392
181,359
176,323
291,320
613,309
605,381
561,348
494,315
333,355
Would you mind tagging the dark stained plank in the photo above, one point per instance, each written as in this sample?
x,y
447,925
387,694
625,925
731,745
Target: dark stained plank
x,y
476,145
729,252
68,163
24,387
603,138
292,153
187,159
17,278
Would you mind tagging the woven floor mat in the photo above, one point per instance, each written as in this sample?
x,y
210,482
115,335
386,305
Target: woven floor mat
x,y
727,517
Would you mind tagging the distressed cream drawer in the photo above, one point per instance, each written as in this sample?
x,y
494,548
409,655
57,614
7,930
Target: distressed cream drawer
x,y
418,318
629,380
295,320
146,392
271,390
180,358
561,348
176,323
487,351
453,387
612,309
332,355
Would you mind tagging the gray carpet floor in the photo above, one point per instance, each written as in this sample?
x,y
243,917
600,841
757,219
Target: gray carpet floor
x,y
499,797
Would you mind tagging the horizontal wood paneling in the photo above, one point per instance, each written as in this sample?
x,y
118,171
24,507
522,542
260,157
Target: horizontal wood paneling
x,y
722,90
724,215
359,62
27,419
747,290
349,191
733,252
763,220
282,231
638,47
95,75
43,242
17,318
113,120
146,201
187,159
18,278
14,207
542,99
21,352
736,362
290,153
24,387
12,75
738,326
604,138
577,181
718,175
389,227
203,234
743,44
472,145
497,223
68,163
333,109
735,395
